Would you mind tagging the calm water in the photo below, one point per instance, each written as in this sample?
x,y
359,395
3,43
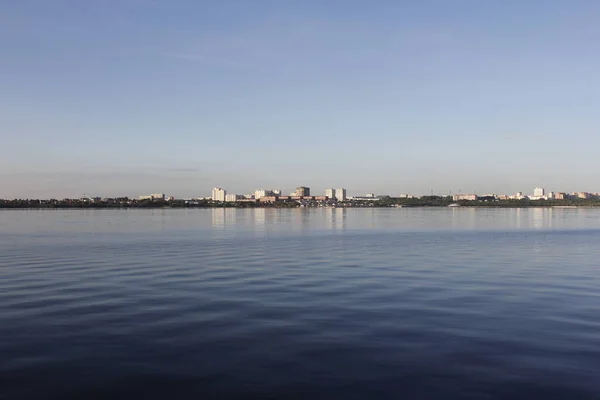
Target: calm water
x,y
326,303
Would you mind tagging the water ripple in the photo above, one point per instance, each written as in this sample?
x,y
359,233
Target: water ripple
x,y
300,304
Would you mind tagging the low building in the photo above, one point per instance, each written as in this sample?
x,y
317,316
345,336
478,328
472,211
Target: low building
x,y
468,197
153,196
365,198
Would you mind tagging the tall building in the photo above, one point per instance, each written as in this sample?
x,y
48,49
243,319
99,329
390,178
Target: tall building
x,y
538,192
218,194
340,194
231,197
330,193
263,193
302,191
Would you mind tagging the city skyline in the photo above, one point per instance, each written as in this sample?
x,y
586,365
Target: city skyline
x,y
231,194
131,97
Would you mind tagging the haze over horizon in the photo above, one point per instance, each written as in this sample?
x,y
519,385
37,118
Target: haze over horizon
x,y
129,97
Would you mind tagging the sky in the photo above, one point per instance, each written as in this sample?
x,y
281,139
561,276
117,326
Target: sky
x,y
130,97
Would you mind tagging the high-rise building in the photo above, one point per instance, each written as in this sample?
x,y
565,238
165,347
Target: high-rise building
x,y
538,192
330,193
218,194
263,193
340,194
231,197
302,191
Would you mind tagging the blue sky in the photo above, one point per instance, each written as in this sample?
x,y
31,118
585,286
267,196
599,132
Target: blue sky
x,y
127,97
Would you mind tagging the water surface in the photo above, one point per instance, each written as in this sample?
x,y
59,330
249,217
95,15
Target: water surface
x,y
300,303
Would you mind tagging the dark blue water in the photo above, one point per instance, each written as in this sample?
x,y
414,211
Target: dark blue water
x,y
327,303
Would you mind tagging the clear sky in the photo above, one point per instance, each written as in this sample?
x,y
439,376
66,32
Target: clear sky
x,y
128,97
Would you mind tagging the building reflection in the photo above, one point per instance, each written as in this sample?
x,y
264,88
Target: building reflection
x,y
335,218
519,218
222,217
218,218
259,215
463,217
541,218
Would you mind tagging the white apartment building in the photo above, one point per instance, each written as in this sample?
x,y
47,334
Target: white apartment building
x,y
266,193
539,192
330,193
231,197
261,193
340,194
218,194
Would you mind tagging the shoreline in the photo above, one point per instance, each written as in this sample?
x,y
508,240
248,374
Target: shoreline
x,y
157,207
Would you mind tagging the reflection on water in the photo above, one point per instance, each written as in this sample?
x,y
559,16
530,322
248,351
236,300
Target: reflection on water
x,y
259,218
335,217
541,218
263,220
463,217
218,218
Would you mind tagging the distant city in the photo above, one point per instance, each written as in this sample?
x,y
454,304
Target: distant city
x,y
339,195
332,197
